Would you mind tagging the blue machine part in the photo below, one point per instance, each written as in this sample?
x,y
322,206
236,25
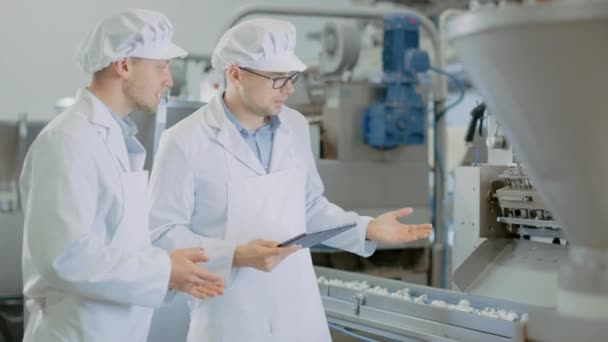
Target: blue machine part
x,y
399,119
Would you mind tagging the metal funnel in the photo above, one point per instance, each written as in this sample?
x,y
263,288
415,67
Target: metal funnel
x,y
542,70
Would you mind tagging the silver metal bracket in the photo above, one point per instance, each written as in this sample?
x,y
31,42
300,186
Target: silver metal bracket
x,y
359,299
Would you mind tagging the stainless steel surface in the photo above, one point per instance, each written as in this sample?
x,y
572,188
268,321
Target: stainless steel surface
x,y
349,185
403,320
474,212
367,184
549,325
15,138
519,270
532,223
502,152
441,248
8,151
11,237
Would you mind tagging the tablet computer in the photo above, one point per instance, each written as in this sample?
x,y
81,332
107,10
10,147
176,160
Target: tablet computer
x,y
307,240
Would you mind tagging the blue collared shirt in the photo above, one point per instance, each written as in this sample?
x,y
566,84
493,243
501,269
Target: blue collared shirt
x,y
260,140
129,130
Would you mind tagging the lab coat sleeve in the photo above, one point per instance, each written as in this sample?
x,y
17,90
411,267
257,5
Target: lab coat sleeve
x,y
61,191
172,187
322,214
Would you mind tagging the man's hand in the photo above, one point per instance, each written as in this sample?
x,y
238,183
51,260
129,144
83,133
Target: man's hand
x,y
387,229
187,276
262,255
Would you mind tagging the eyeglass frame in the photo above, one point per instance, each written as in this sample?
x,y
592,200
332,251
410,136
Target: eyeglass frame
x,y
293,78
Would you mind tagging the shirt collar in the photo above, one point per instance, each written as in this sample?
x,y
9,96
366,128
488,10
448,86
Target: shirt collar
x,y
127,124
274,124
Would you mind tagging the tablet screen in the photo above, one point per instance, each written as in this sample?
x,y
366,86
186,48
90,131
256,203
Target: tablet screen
x,y
307,240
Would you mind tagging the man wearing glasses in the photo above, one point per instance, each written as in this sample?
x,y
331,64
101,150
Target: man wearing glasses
x,y
237,177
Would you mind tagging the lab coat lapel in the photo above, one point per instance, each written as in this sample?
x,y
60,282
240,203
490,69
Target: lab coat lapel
x,y
228,136
116,143
101,117
281,148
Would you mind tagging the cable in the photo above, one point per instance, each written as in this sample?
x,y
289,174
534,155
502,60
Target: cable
x,y
349,333
460,86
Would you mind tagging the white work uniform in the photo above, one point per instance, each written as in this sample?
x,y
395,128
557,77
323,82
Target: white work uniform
x,y
209,190
90,272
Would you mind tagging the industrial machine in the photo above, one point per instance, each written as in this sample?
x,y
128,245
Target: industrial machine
x,y
505,51
506,253
528,224
378,126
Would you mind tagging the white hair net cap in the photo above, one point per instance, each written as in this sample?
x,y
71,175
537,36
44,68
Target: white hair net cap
x,y
260,44
132,33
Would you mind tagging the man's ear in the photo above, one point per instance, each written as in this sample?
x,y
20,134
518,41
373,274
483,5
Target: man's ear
x,y
121,67
233,75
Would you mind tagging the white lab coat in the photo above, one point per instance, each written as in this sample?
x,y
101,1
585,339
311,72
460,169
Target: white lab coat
x,y
90,272
209,190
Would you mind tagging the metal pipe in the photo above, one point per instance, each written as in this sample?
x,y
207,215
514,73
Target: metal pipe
x,y
22,147
441,266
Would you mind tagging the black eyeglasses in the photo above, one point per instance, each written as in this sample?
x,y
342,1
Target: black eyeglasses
x,y
277,82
